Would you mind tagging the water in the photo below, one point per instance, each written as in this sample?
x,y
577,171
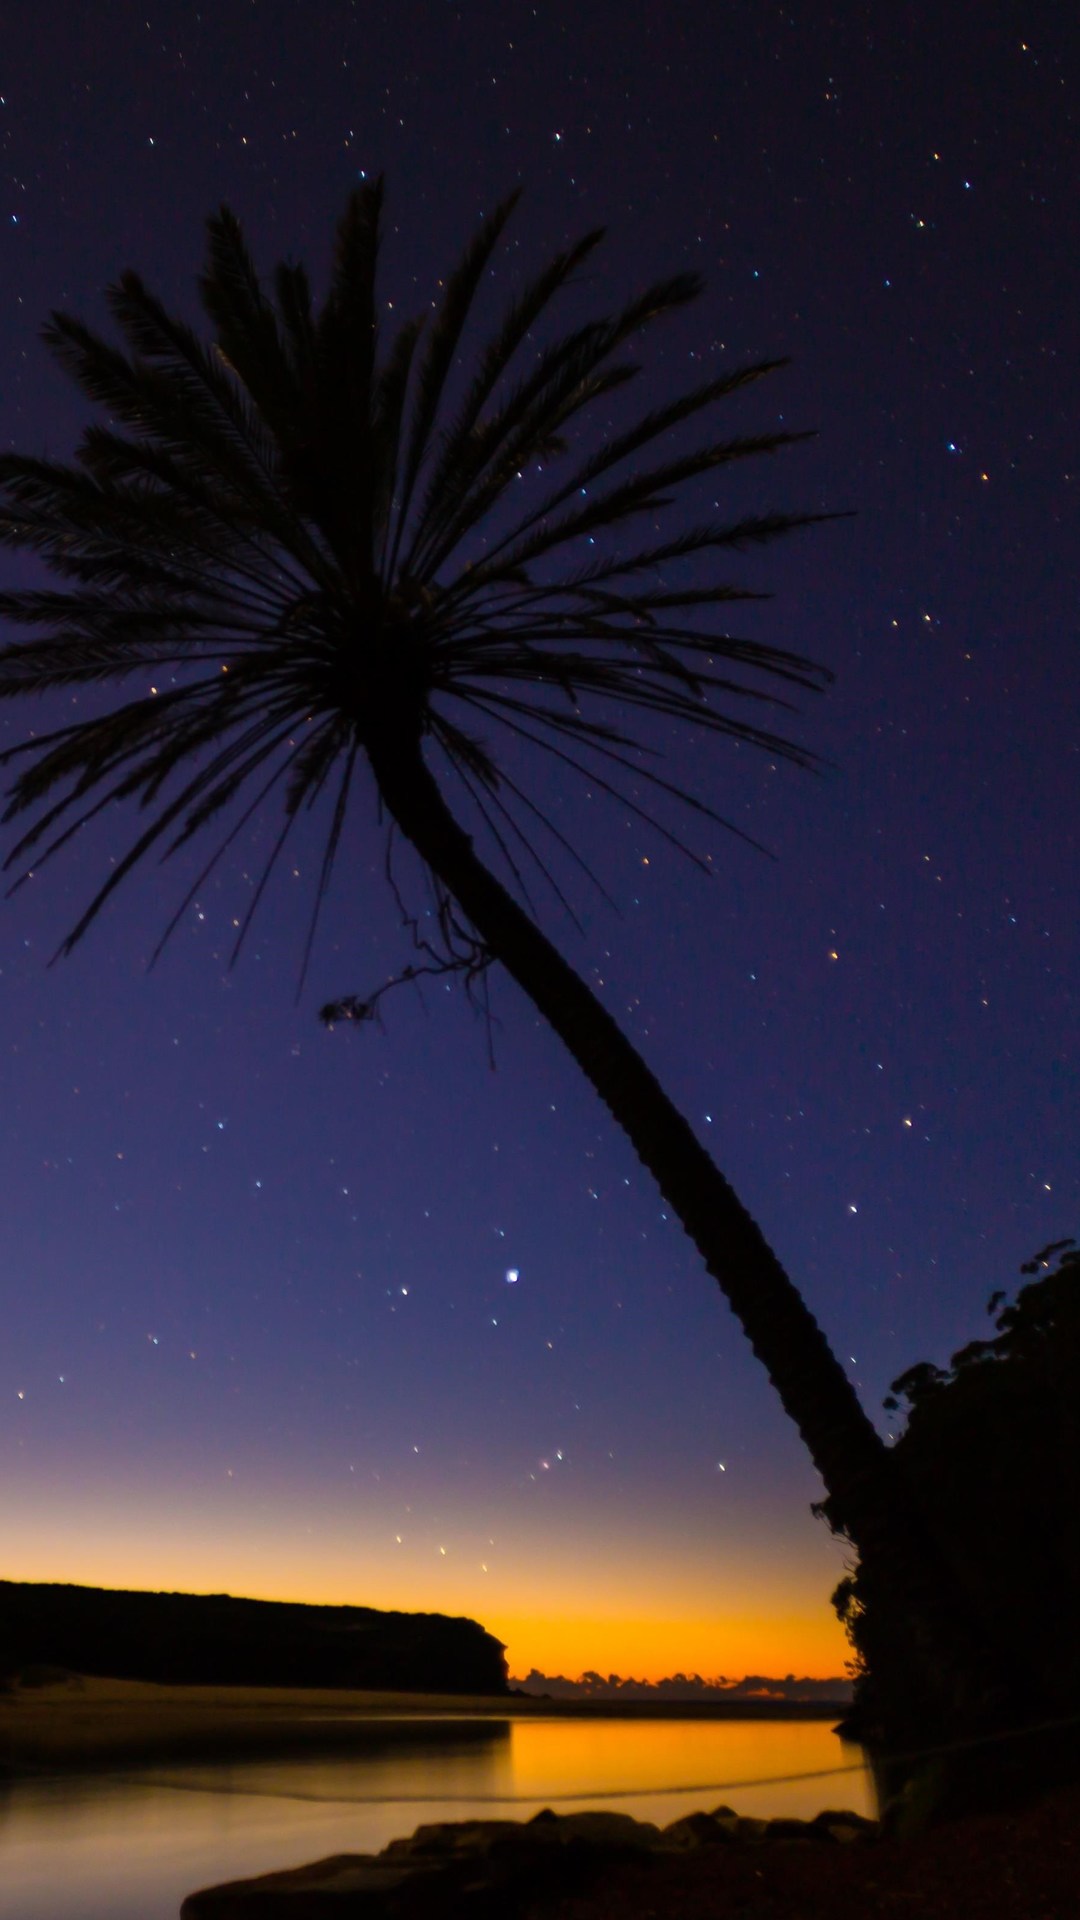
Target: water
x,y
130,1846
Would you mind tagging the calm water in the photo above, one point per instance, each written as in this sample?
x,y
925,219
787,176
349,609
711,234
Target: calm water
x,y
129,1847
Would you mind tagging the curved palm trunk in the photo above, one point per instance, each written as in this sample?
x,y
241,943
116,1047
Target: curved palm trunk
x,y
844,1445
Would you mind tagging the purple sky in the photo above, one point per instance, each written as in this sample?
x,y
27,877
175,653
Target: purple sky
x,y
213,1373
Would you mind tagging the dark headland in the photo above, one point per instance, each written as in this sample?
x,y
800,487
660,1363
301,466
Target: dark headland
x,y
183,1639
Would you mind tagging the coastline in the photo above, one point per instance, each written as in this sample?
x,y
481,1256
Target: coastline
x,y
1008,1864
80,1721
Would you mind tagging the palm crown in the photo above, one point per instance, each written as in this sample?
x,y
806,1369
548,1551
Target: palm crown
x,y
306,537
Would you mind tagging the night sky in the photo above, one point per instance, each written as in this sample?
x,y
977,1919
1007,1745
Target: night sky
x,y
348,1316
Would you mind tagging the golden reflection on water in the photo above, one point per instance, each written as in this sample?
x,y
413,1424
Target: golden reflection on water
x,y
644,1760
129,1847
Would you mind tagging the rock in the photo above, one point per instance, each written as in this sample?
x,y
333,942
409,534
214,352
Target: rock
x,y
496,1864
843,1826
450,1839
353,1884
492,1869
738,1827
787,1830
695,1830
614,1832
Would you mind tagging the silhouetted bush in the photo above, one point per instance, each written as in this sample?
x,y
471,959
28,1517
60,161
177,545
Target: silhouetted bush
x,y
990,1454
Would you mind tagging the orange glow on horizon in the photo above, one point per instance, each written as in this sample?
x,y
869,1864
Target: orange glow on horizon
x,y
640,1600
777,1637
809,1645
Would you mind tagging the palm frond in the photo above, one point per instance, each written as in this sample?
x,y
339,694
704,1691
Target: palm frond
x,y
197,386
248,334
442,345
653,426
330,848
528,431
648,492
294,299
332,464
464,447
388,413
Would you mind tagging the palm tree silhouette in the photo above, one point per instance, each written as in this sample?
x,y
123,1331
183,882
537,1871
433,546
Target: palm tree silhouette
x,y
315,545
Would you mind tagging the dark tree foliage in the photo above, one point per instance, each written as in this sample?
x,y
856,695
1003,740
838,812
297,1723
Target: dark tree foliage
x,y
991,1448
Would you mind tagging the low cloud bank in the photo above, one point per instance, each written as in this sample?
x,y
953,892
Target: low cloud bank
x,y
682,1686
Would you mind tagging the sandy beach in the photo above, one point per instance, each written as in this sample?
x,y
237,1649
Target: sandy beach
x,y
81,1721
87,1722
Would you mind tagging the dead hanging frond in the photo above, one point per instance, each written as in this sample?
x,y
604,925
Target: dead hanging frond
x,y
448,949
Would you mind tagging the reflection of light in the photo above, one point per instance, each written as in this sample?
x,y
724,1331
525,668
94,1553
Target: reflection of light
x,y
586,1757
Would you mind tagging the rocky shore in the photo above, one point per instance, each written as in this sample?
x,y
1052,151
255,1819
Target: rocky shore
x,y
1017,1865
505,1867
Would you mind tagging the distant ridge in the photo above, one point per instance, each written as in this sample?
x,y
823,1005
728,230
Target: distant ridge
x,y
215,1640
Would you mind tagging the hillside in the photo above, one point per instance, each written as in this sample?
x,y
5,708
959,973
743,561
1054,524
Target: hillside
x,y
214,1640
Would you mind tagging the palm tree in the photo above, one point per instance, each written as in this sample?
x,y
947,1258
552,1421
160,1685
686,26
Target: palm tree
x,y
313,544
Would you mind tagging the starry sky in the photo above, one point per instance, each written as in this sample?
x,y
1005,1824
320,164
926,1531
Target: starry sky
x,y
350,1316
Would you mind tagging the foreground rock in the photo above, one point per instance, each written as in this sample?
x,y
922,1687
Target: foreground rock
x,y
214,1640
501,1868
